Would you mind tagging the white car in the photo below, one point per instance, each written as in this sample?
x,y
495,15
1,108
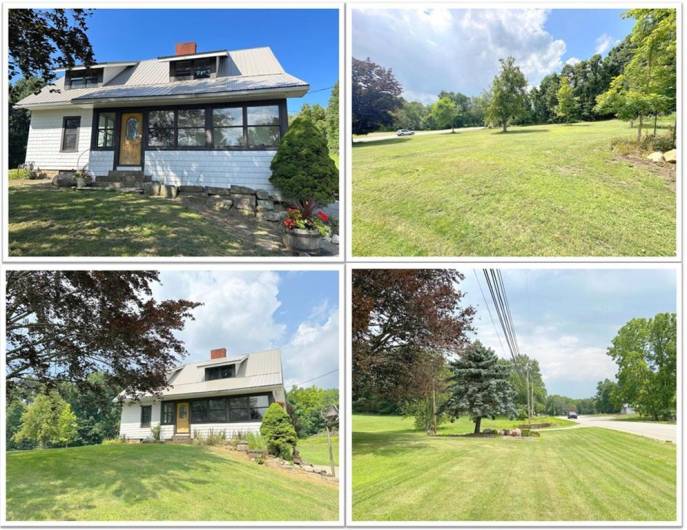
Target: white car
x,y
405,132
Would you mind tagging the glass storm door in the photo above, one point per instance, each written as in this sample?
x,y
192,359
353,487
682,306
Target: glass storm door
x,y
182,418
130,139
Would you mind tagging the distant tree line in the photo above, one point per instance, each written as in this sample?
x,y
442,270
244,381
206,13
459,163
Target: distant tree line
x,y
306,407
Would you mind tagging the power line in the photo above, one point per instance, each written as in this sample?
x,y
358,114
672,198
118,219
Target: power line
x,y
318,377
320,89
496,330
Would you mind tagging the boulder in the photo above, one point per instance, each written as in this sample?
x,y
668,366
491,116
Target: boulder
x,y
218,191
220,204
64,180
192,189
264,205
262,195
156,188
170,191
670,156
656,156
273,217
242,190
148,188
244,202
516,432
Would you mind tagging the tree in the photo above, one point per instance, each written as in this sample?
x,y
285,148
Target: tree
x,y
316,114
48,420
306,406
278,430
445,113
42,40
410,115
333,120
479,386
645,351
567,103
398,317
302,168
519,384
606,398
429,394
375,95
508,95
65,325
19,120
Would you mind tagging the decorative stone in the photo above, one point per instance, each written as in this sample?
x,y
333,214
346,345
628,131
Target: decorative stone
x,y
516,432
156,189
148,188
170,191
64,180
221,204
670,156
656,156
244,202
262,195
335,239
192,189
218,191
273,217
242,190
264,205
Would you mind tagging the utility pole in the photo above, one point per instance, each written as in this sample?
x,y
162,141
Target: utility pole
x,y
529,401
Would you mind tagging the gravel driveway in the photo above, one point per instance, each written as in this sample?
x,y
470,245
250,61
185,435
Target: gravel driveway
x,y
658,431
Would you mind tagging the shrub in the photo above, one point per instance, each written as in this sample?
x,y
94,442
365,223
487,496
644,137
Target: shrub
x,y
114,441
278,430
155,431
47,421
236,438
256,442
302,168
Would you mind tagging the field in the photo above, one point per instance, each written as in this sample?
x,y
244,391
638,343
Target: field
x,y
151,482
315,450
576,474
548,190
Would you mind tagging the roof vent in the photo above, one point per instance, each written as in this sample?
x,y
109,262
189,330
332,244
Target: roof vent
x,y
186,48
218,353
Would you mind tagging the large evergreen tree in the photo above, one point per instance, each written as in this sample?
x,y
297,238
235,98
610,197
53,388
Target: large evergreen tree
x,y
508,96
479,386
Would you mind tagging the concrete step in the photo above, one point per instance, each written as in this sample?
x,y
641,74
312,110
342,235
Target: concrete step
x,y
181,439
125,178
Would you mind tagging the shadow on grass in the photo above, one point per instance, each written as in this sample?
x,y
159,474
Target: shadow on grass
x,y
522,131
382,141
388,444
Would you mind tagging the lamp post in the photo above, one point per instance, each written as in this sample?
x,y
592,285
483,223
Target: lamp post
x,y
331,419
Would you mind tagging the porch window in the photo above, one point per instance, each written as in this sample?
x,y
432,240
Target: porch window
x,y
263,126
217,410
227,127
191,127
167,413
106,128
70,133
146,415
161,128
230,409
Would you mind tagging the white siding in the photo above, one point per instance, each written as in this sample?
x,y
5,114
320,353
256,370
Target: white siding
x,y
100,162
130,424
211,168
45,139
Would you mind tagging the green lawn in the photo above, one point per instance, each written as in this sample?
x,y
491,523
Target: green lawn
x,y
546,190
315,450
577,474
44,221
159,482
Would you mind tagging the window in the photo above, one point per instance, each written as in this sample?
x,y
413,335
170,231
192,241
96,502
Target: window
x,y
70,133
146,415
217,410
193,69
199,411
168,413
191,127
229,409
161,128
227,127
263,126
220,372
105,129
84,78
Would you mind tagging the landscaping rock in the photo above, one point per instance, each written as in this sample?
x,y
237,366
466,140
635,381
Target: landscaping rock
x,y
244,202
220,204
218,191
64,180
516,432
170,191
192,189
242,190
262,195
156,189
656,156
264,205
148,188
670,156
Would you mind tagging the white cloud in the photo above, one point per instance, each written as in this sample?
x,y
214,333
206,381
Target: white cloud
x,y
572,61
430,50
603,43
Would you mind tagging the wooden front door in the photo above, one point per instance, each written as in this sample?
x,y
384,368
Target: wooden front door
x,y
130,139
182,418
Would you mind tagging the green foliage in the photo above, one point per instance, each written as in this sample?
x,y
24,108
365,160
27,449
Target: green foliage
x,y
445,113
375,96
508,95
278,430
213,437
567,103
316,114
306,407
607,398
302,168
256,442
333,120
19,120
47,421
422,412
519,384
479,386
645,350
155,432
15,410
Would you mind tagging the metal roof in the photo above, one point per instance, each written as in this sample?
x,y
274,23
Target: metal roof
x,y
255,69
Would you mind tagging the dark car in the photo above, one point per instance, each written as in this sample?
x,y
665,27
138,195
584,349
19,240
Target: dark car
x,y
572,415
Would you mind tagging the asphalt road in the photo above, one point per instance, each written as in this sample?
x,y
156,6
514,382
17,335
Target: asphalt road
x,y
377,138
658,431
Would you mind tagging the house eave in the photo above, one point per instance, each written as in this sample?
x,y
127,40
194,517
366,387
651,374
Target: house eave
x,y
195,395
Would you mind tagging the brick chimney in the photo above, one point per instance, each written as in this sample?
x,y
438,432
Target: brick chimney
x,y
186,48
218,353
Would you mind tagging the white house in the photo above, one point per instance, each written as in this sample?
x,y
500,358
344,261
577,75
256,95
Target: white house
x,y
221,394
191,119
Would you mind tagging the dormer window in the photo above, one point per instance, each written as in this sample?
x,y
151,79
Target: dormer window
x,y
193,69
84,78
220,372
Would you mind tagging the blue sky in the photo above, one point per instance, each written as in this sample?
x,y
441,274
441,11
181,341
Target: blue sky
x,y
304,40
245,311
430,50
566,318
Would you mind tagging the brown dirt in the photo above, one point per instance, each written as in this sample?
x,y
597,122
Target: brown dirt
x,y
665,170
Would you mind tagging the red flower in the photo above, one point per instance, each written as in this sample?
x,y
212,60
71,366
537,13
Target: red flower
x,y
323,216
289,223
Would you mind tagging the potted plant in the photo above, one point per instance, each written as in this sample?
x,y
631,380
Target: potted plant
x,y
306,176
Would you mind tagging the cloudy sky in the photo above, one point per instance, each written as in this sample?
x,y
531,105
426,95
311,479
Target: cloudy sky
x,y
296,311
566,318
431,50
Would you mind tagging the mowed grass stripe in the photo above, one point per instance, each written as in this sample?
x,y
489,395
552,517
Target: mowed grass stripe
x,y
565,475
544,190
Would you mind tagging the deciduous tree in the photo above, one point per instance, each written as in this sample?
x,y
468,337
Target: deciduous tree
x,y
375,95
567,103
445,113
48,420
333,120
508,95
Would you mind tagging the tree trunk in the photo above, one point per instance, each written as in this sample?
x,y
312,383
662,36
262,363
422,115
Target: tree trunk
x,y
478,422
504,126
639,129
655,120
434,408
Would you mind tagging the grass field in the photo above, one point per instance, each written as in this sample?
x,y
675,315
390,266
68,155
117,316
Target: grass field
x,y
548,190
577,474
315,450
44,221
159,482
